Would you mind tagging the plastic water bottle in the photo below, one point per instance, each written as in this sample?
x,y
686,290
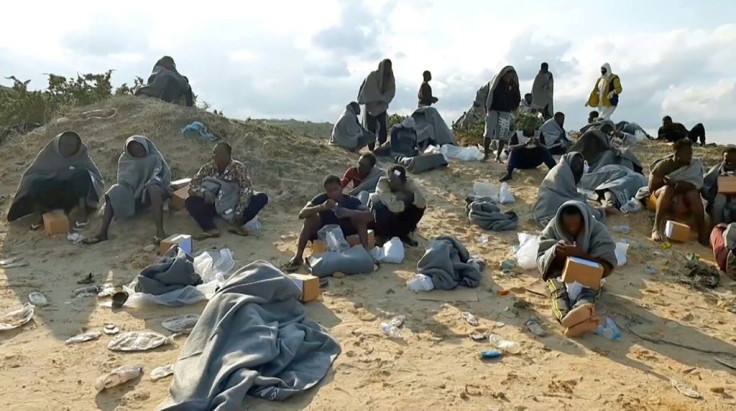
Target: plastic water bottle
x,y
608,329
488,354
631,206
119,376
391,331
623,229
511,347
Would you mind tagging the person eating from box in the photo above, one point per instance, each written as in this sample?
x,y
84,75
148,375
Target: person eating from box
x,y
61,177
674,187
721,200
575,234
330,207
222,187
143,181
398,206
362,178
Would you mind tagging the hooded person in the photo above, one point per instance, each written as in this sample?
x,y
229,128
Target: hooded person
x,y
376,93
502,98
722,206
348,133
527,149
166,83
559,186
555,137
543,90
574,233
605,92
61,177
143,181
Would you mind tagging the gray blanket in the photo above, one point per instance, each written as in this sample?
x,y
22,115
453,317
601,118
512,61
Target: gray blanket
x,y
355,260
543,90
422,163
252,338
597,150
375,94
484,213
369,183
50,164
692,174
494,83
430,126
710,182
554,134
621,181
135,176
227,195
557,188
174,271
347,131
595,240
448,263
158,82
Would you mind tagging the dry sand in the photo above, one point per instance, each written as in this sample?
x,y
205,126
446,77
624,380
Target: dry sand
x,y
435,366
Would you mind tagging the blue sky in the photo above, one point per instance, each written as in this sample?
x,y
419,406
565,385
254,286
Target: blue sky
x,y
305,60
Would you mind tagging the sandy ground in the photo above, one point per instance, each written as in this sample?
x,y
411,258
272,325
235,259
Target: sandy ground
x,y
435,365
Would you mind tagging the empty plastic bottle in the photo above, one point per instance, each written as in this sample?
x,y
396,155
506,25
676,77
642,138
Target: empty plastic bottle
x,y
119,376
631,206
623,229
391,331
490,354
608,329
511,347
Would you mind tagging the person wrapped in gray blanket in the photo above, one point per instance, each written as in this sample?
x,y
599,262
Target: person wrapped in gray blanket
x,y
175,270
348,133
502,99
143,181
574,233
722,207
330,207
613,184
166,83
363,178
559,186
448,263
61,177
397,206
252,339
674,186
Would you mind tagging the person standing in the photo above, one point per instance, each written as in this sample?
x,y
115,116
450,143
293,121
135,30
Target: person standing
x,y
605,93
543,92
425,96
502,99
376,93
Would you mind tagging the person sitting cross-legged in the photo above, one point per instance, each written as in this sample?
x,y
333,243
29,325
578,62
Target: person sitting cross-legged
x,y
527,150
397,206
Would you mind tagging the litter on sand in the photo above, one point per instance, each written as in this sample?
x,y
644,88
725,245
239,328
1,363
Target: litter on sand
x,y
685,390
139,341
13,262
84,337
470,318
111,329
162,372
17,318
181,324
118,376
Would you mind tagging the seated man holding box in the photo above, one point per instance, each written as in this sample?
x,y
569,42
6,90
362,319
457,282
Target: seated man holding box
x,y
674,188
574,239
330,207
721,199
222,187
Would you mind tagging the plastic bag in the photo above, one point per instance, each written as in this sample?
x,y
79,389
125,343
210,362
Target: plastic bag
x,y
483,189
505,196
177,298
621,250
471,153
608,329
420,282
214,265
526,255
332,235
392,252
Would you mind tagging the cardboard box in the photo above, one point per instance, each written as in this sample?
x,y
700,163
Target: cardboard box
x,y
56,222
308,284
319,246
586,272
180,183
727,184
677,231
178,198
184,242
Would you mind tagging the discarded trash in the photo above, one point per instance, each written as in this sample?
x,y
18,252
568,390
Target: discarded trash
x,y
105,290
88,279
511,347
622,249
508,265
110,329
526,256
181,324
75,237
488,354
197,127
80,338
17,318
253,227
470,318
666,245
482,239
623,229
608,329
139,341
502,293
391,328
119,299
88,291
685,390
505,196
119,376
37,299
535,327
162,372
420,282
632,206
650,269
13,262
476,336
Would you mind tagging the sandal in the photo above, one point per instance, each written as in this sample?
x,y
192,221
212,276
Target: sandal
x,y
235,231
578,315
292,266
205,235
81,224
35,227
535,327
470,318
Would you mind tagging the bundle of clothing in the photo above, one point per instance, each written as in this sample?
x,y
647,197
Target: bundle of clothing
x,y
448,263
598,150
620,181
252,338
174,271
483,212
431,128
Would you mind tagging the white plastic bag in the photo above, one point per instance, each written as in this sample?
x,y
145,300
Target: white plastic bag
x,y
420,282
392,252
526,256
484,189
214,265
332,235
431,149
621,250
505,196
471,153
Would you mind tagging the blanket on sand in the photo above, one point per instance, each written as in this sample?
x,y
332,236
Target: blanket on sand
x,y
448,263
483,212
598,151
50,164
135,177
430,126
173,271
252,338
621,181
594,240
